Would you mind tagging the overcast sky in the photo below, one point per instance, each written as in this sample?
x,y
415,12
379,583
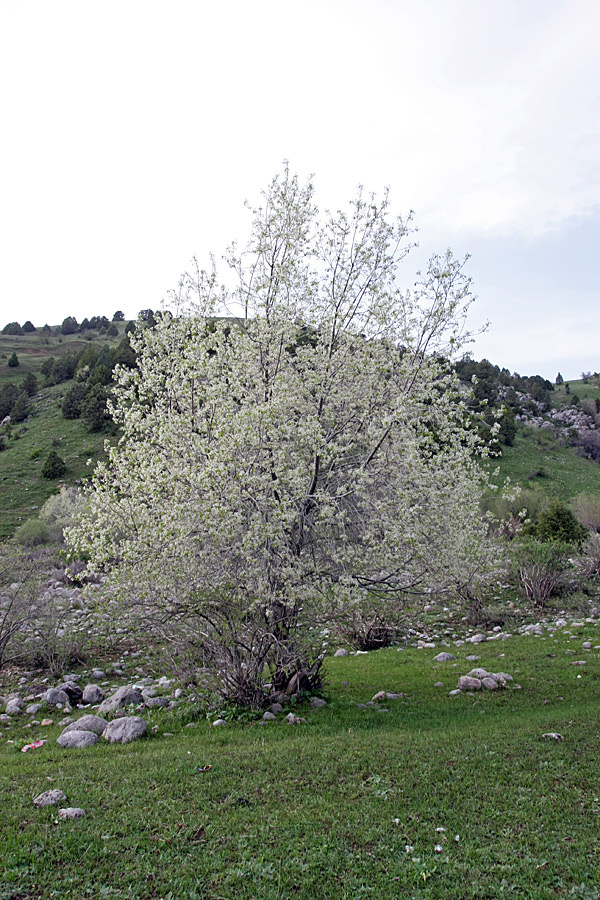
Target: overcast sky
x,y
133,131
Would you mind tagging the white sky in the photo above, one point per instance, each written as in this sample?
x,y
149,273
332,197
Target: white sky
x,y
133,131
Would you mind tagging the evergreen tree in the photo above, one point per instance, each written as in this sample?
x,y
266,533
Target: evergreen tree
x,y
13,360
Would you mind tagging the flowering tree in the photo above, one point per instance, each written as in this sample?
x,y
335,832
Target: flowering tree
x,y
307,460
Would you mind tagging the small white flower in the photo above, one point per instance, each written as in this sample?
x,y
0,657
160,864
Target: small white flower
x,y
438,848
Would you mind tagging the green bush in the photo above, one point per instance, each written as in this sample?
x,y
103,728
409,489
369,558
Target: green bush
x,y
12,328
54,467
31,533
13,360
557,523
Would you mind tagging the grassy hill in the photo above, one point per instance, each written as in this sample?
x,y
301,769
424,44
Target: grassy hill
x,y
22,488
537,456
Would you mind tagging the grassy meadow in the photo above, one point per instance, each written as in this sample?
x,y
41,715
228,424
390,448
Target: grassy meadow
x,y
437,797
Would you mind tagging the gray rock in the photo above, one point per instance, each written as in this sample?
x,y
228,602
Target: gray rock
x,y
553,736
477,673
472,658
341,652
439,684
33,708
124,730
291,719
317,703
98,674
390,695
54,697
489,683
77,739
268,716
14,707
87,723
71,812
218,722
123,696
276,708
156,702
467,683
92,693
443,657
49,798
454,693
72,690
476,639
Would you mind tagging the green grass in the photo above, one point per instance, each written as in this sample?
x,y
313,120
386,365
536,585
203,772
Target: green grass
x,y
327,809
34,348
536,457
22,488
589,391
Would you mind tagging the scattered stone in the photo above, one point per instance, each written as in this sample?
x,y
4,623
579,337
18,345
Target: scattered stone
x,y
64,722
14,707
77,739
467,683
380,695
439,684
93,693
579,662
477,673
443,657
553,736
71,812
156,702
560,623
87,723
476,639
218,722
489,683
317,703
72,690
341,652
587,645
123,696
276,708
472,658
291,719
49,798
33,708
455,692
54,697
268,716
45,723
124,730
98,674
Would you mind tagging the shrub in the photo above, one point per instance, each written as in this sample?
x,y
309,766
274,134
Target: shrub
x,y
557,523
20,409
59,510
12,328
71,405
587,509
112,330
69,325
31,533
541,567
30,384
13,360
54,467
28,327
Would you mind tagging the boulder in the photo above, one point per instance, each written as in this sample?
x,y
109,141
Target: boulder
x,y
268,716
49,798
122,697
92,693
71,812
341,652
477,673
72,690
14,707
156,702
467,683
54,697
87,723
77,739
317,703
124,730
443,657
489,683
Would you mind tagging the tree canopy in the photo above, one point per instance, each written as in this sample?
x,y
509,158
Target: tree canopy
x,y
313,458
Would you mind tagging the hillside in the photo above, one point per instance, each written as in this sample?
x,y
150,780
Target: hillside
x,y
23,490
541,445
